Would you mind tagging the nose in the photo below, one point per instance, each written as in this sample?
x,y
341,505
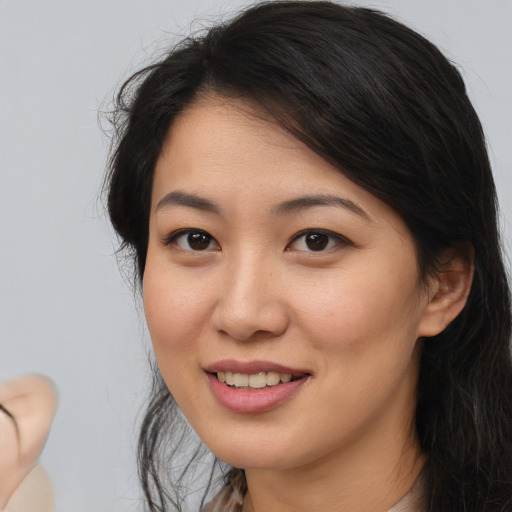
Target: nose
x,y
250,303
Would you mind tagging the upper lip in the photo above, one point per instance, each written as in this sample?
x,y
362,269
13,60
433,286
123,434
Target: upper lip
x,y
253,367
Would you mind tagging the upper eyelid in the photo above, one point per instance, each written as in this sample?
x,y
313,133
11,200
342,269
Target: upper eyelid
x,y
184,231
322,231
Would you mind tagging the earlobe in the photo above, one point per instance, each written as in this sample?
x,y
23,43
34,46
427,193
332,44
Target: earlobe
x,y
448,290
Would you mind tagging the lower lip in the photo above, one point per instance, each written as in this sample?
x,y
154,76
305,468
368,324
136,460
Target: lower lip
x,y
257,400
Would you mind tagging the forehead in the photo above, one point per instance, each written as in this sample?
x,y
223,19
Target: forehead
x,y
231,151
220,132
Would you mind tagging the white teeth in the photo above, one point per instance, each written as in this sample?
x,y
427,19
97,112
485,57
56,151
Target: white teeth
x,y
258,380
273,378
255,380
241,380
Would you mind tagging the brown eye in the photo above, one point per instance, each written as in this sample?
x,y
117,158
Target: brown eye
x,y
192,240
198,241
316,241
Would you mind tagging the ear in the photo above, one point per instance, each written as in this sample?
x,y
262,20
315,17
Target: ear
x,y
448,290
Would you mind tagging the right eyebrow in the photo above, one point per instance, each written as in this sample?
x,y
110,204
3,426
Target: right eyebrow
x,y
190,200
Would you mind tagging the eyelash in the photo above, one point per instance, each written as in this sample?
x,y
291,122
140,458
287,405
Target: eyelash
x,y
173,238
333,240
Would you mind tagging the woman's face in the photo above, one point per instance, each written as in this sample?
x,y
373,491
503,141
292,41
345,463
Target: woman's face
x,y
269,269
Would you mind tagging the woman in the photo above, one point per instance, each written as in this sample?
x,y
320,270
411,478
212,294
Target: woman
x,y
312,214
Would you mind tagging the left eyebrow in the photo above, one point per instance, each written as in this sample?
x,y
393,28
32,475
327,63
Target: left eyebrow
x,y
304,202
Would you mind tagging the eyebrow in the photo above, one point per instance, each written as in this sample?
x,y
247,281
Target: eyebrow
x,y
192,201
287,207
304,202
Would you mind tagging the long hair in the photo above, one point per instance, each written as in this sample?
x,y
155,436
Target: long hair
x,y
384,106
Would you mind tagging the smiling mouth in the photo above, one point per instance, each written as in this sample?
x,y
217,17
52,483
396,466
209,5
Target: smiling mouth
x,y
258,380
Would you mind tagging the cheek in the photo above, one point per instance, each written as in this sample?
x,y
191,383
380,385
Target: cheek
x,y
358,308
175,310
365,337
175,315
363,327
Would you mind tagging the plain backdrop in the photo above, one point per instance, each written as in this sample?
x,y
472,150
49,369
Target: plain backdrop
x,y
65,310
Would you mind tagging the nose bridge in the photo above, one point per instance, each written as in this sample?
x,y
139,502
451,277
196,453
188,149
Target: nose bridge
x,y
250,302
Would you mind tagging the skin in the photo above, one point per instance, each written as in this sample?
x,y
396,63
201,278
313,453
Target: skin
x,y
353,314
32,400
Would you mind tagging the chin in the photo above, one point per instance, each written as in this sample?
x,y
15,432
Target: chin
x,y
263,453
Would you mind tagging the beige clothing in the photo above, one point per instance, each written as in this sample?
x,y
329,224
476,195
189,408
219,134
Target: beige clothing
x,y
34,494
414,500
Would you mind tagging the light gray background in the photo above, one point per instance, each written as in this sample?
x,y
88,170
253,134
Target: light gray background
x,y
64,309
